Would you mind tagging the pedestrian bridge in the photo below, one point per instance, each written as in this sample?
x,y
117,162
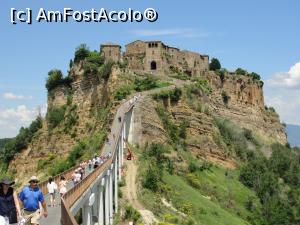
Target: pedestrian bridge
x,y
96,196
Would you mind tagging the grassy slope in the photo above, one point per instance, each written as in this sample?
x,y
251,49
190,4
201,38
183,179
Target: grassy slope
x,y
204,211
214,183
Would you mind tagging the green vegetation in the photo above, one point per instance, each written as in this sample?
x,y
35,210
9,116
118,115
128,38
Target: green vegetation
x,y
81,53
173,94
131,214
20,142
71,118
55,78
204,193
148,82
178,74
215,64
176,134
235,140
92,63
276,182
105,70
225,97
122,92
253,75
3,141
55,116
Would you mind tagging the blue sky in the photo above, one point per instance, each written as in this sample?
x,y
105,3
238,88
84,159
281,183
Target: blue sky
x,y
260,36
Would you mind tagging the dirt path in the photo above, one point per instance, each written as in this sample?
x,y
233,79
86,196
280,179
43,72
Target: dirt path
x,y
131,193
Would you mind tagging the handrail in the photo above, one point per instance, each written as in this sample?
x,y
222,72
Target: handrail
x,y
71,196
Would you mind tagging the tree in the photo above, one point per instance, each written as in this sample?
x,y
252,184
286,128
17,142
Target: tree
x,y
240,71
81,53
214,64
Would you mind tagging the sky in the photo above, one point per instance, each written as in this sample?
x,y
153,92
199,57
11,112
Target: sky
x,y
259,36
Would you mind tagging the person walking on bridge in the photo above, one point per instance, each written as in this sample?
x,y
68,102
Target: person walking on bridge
x,y
9,204
31,197
52,188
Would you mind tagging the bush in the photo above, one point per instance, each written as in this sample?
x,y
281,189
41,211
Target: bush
x,y
225,97
55,78
55,116
152,178
131,213
92,63
254,76
105,70
146,83
174,95
214,64
81,53
240,71
123,92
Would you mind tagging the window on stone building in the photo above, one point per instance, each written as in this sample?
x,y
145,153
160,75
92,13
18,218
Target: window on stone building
x,y
149,45
152,52
155,45
153,65
109,53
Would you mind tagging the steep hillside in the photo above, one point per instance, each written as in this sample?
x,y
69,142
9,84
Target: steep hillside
x,y
209,150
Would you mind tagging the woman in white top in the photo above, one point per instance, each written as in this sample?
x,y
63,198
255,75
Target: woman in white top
x,y
52,187
62,185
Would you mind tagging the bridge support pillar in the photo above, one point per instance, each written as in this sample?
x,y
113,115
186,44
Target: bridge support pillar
x,y
111,194
106,210
120,160
87,215
116,184
101,203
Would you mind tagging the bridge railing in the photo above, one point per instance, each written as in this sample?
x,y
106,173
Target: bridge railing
x,y
73,195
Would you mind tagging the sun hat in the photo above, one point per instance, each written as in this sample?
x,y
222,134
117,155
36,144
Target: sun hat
x,y
33,178
7,181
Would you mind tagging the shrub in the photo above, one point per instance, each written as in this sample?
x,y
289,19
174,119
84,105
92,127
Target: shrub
x,y
146,83
131,213
122,92
81,53
174,95
55,116
214,64
240,71
254,76
92,63
55,78
105,70
225,97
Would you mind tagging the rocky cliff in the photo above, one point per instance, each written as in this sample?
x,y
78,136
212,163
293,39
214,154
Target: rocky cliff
x,y
237,98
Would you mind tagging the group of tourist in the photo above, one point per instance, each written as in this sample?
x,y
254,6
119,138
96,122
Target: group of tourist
x,y
32,200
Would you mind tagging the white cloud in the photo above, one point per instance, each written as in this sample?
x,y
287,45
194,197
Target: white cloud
x,y
290,79
182,32
12,119
12,96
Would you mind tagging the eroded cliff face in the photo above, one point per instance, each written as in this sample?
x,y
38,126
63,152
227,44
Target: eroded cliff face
x,y
87,98
245,108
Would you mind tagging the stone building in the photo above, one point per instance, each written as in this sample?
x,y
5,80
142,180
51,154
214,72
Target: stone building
x,y
111,51
156,57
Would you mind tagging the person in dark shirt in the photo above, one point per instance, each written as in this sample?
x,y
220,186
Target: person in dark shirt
x,y
9,204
